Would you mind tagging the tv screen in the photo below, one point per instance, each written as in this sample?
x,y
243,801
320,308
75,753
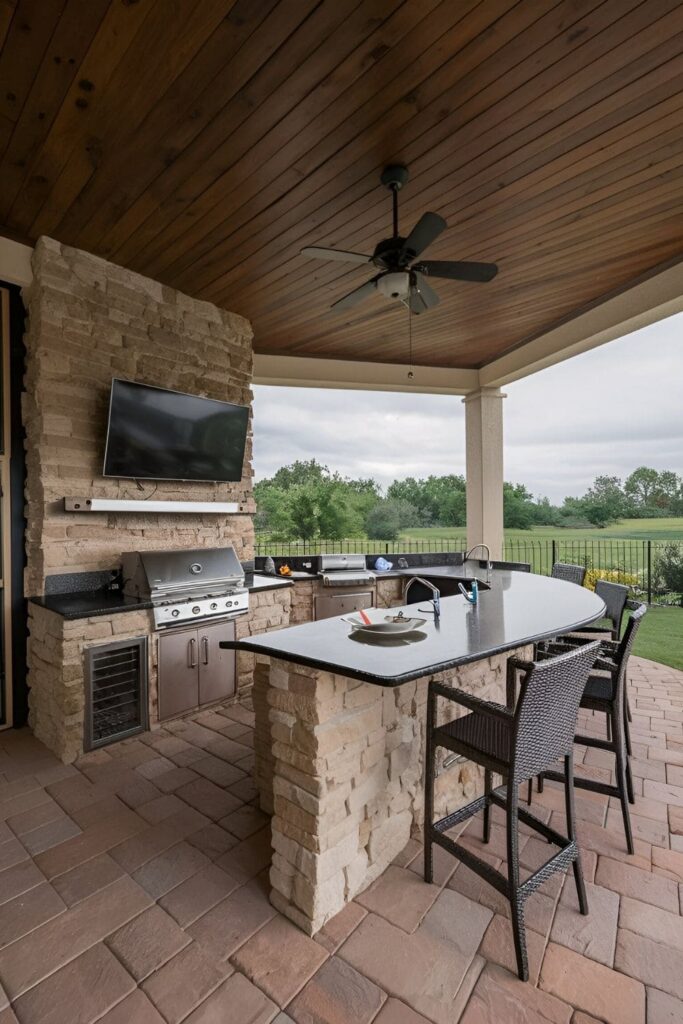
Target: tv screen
x,y
156,434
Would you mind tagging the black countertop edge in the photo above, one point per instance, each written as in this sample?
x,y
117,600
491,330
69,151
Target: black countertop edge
x,y
86,604
389,682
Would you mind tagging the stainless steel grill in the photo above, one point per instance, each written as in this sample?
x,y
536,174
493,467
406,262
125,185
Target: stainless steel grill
x,y
184,585
344,571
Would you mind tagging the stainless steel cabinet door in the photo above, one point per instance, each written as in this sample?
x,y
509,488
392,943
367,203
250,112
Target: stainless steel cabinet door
x,y
178,672
217,668
341,604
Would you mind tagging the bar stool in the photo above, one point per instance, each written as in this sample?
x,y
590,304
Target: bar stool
x,y
606,692
518,745
570,573
615,596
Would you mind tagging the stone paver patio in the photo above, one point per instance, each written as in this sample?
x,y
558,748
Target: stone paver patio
x,y
134,891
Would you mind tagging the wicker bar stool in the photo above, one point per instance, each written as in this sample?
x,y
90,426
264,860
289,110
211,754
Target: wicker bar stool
x,y
517,745
570,573
615,596
606,692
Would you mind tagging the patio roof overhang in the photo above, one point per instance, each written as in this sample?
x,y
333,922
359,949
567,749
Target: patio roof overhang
x,y
205,151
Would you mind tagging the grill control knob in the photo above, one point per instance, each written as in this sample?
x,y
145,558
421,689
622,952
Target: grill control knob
x,y
196,610
228,604
213,606
175,613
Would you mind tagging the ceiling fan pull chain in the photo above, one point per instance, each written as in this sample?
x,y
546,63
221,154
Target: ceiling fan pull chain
x,y
410,344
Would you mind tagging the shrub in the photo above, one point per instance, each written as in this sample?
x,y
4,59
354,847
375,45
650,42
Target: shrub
x,y
628,579
668,569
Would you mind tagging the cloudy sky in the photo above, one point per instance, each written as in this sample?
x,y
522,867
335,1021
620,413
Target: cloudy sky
x,y
606,411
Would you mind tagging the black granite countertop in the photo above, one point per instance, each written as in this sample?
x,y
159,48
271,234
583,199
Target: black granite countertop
x,y
86,604
519,609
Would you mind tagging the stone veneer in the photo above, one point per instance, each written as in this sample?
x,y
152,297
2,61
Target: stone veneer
x,y
89,321
343,775
56,662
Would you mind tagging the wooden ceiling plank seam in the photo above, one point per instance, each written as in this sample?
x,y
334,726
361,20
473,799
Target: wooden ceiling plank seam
x,y
264,266
28,37
175,39
357,245
145,217
377,170
545,253
60,66
175,116
472,253
422,112
455,354
7,10
404,22
260,62
283,179
259,271
216,252
108,47
588,306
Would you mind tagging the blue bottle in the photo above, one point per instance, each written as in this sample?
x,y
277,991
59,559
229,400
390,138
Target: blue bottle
x,y
475,591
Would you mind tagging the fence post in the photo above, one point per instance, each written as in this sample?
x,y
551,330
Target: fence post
x,y
553,554
649,572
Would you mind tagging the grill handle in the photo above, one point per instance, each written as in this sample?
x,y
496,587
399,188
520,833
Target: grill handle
x,y
205,650
192,653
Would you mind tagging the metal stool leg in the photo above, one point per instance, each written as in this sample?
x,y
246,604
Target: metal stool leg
x,y
622,784
627,729
487,805
571,830
516,899
430,773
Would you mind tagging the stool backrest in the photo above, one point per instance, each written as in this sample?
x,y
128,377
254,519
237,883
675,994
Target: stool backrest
x,y
615,596
547,710
570,573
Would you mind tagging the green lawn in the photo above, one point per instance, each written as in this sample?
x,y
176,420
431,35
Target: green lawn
x,y
660,637
627,529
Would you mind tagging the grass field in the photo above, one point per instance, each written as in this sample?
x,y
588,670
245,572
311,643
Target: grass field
x,y
660,637
627,529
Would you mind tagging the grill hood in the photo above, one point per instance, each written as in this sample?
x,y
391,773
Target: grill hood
x,y
177,575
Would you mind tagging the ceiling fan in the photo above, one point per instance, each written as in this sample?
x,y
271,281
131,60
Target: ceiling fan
x,y
400,276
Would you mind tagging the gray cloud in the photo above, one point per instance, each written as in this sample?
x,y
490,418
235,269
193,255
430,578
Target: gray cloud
x,y
606,411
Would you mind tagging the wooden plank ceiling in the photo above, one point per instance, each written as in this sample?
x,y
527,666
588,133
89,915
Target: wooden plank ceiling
x,y
204,142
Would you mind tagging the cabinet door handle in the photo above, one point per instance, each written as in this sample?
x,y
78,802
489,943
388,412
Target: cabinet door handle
x,y
192,653
205,649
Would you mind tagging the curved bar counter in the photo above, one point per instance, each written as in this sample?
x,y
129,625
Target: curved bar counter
x,y
340,730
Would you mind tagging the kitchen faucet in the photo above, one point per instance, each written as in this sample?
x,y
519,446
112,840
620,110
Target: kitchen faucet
x,y
487,549
436,599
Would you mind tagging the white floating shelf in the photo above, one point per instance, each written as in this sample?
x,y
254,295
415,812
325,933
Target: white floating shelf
x,y
140,505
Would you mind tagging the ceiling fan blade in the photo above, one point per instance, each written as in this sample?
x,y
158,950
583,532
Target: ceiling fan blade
x,y
425,292
356,296
320,253
458,271
428,228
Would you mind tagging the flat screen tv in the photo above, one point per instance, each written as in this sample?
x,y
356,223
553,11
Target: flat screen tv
x,y
156,434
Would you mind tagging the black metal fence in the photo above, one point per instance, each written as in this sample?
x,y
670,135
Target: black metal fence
x,y
637,563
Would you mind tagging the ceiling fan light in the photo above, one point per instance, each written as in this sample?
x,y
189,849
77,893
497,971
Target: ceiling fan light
x,y
394,285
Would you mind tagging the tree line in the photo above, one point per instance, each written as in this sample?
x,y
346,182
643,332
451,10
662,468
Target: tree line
x,y
306,500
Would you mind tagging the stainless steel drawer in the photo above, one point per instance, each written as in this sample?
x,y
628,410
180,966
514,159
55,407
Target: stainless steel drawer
x,y
326,607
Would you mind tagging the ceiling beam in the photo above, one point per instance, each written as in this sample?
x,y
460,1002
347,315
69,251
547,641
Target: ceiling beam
x,y
654,298
305,372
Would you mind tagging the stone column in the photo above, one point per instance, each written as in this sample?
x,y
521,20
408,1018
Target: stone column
x,y
347,778
484,455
